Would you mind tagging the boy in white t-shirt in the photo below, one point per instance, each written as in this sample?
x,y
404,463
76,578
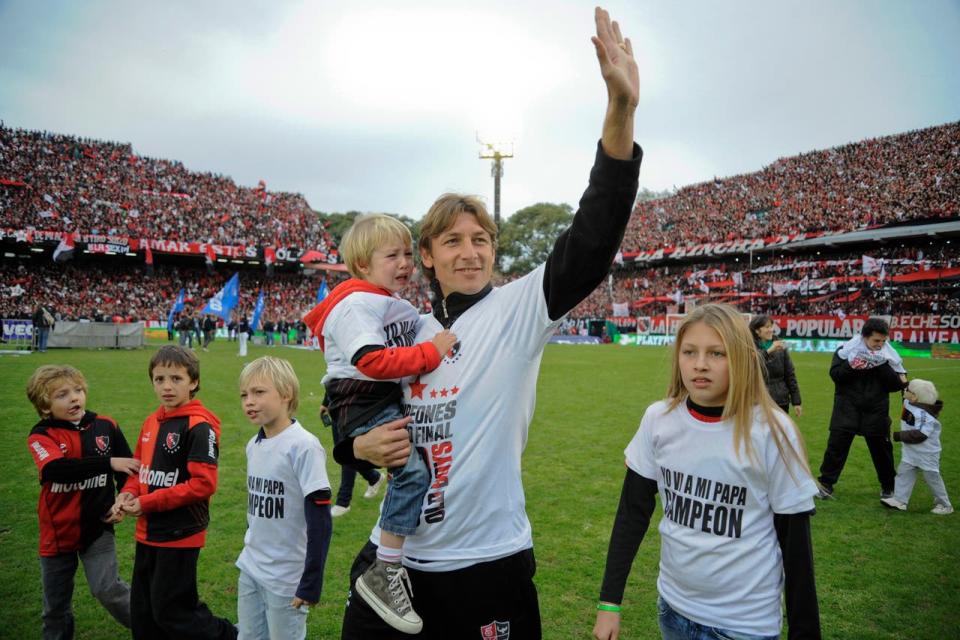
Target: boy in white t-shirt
x,y
920,434
367,334
288,509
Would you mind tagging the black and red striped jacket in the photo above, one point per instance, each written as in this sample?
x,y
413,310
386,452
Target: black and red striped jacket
x,y
178,451
77,483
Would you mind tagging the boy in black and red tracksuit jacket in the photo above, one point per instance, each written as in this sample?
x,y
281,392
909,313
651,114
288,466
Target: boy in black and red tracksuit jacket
x,y
178,449
78,454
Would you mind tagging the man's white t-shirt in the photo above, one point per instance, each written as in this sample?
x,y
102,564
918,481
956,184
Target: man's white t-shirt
x,y
720,561
281,472
362,319
470,418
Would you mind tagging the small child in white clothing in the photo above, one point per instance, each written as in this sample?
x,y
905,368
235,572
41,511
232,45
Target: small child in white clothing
x,y
920,435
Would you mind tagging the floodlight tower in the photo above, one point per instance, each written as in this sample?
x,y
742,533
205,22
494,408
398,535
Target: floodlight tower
x,y
498,152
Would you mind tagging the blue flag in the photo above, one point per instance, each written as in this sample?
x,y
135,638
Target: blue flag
x,y
225,300
257,310
175,309
322,291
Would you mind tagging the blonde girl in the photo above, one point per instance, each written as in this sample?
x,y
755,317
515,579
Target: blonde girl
x,y
730,468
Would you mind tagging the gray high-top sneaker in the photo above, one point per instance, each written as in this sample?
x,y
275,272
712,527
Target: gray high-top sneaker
x,y
384,586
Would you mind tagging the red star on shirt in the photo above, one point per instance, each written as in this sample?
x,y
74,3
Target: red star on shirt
x,y
443,392
455,390
433,393
416,389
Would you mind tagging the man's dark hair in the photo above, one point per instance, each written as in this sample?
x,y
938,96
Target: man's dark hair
x,y
875,325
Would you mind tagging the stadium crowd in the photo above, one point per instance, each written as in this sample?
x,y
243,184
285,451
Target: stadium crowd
x,y
786,284
124,293
58,182
792,284
64,183
914,175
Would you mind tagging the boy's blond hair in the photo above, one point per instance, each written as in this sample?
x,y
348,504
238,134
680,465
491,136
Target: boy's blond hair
x,y
367,234
923,390
173,355
279,373
45,378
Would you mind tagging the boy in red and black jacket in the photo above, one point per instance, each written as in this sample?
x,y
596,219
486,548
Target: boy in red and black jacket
x,y
78,454
178,449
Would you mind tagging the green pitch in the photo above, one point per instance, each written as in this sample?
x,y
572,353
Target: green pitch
x,y
880,574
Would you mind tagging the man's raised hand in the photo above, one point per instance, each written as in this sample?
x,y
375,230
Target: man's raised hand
x,y
615,54
622,78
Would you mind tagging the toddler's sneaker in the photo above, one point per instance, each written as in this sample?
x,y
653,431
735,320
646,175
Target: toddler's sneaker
x,y
374,488
384,587
892,503
942,509
336,511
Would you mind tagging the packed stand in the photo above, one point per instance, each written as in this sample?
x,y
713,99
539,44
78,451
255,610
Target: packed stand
x,y
790,284
910,176
124,293
64,183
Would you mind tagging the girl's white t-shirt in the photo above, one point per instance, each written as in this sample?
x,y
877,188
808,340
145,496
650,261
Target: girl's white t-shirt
x,y
720,562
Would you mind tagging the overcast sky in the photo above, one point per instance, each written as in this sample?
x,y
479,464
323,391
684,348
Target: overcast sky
x,y
375,106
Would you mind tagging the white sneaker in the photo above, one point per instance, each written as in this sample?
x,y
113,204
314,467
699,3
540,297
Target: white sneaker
x,y
374,488
942,510
893,503
336,511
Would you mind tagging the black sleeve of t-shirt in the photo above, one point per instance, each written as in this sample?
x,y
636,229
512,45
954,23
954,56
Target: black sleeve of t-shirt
x,y
202,445
120,450
582,254
796,547
638,499
316,511
74,469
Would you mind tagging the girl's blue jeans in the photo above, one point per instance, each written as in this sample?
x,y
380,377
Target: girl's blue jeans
x,y
674,626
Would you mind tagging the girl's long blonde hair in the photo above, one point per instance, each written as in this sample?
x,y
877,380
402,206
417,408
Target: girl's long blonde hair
x,y
747,388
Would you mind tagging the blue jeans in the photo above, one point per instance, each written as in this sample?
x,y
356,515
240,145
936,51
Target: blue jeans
x,y
348,476
264,615
408,484
43,334
674,626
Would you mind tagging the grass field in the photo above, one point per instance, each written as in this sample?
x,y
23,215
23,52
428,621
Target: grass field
x,y
880,574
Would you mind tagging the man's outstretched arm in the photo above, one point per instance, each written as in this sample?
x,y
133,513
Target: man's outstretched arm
x,y
582,254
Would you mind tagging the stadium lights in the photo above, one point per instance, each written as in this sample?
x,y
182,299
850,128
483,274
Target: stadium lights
x,y
36,249
498,152
237,261
132,255
222,260
7,254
